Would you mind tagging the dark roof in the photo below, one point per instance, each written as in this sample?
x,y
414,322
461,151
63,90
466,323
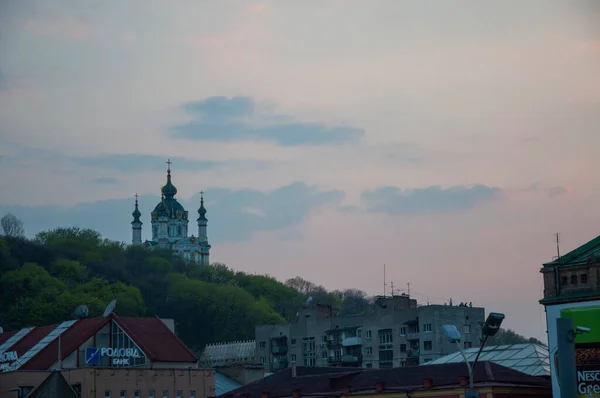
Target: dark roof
x,y
54,386
581,255
6,336
150,334
319,381
156,339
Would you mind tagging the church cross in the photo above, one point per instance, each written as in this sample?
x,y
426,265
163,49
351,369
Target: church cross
x,y
136,196
169,164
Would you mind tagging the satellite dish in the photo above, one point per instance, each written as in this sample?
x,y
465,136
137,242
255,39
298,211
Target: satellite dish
x,y
81,312
110,307
1,330
308,300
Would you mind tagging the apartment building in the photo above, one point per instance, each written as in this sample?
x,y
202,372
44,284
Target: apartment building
x,y
398,333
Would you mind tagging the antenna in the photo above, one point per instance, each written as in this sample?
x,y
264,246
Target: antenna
x,y
1,330
392,283
384,284
110,307
557,245
408,288
81,312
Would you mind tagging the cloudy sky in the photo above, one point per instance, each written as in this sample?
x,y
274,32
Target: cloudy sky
x,y
448,140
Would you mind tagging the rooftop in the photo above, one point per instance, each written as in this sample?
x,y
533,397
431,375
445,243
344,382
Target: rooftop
x,y
226,353
532,359
37,347
582,255
333,381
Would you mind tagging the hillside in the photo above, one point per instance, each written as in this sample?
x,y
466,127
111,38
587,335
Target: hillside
x,y
43,280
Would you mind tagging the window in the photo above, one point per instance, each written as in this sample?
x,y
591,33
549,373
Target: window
x,y
123,394
564,280
467,344
293,359
467,329
151,394
359,332
323,339
107,394
573,279
427,327
427,360
403,331
369,365
179,394
402,347
367,335
192,394
368,351
165,394
583,278
136,394
293,341
386,359
385,336
324,355
263,360
262,344
427,346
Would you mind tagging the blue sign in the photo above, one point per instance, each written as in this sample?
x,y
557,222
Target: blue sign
x,y
92,356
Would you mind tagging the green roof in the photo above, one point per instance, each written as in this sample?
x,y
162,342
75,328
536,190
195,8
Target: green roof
x,y
580,255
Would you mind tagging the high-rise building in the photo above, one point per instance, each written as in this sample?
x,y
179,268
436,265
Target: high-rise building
x,y
398,333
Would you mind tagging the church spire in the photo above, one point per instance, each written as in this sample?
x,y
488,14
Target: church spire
x,y
202,221
169,190
136,224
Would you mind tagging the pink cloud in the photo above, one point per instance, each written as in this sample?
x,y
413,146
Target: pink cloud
x,y
258,8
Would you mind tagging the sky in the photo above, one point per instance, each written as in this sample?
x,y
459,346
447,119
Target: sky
x,y
449,141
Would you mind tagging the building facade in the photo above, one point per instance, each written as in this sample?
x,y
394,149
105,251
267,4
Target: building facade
x,y
398,334
109,357
170,226
572,289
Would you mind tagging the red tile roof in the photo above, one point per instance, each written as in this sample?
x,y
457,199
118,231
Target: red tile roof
x,y
150,334
6,336
156,339
30,339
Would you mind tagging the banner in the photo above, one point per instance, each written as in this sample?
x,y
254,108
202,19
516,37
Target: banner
x,y
587,349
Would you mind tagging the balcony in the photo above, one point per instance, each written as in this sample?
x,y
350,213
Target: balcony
x,y
334,360
412,353
352,359
333,343
278,349
412,336
352,341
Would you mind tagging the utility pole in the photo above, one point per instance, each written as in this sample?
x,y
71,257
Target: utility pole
x,y
567,374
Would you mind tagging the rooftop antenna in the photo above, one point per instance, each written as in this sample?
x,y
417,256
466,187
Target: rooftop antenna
x,y
110,308
557,245
392,283
81,312
384,284
408,288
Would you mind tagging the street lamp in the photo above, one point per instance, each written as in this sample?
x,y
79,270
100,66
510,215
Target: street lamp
x,y
490,328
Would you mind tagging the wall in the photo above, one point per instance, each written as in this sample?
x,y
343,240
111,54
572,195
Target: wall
x,y
95,382
553,312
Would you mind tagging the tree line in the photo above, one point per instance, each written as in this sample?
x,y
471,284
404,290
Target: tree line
x,y
42,280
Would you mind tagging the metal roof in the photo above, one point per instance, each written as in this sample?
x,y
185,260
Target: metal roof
x,y
589,252
237,352
532,359
224,383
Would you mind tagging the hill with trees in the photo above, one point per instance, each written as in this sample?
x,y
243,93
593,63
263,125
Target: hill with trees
x,y
42,280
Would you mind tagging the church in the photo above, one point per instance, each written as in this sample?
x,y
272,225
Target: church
x,y
170,226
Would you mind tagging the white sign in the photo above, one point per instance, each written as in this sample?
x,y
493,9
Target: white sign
x,y
10,356
120,356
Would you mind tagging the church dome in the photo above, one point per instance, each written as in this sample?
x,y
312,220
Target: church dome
x,y
170,207
169,190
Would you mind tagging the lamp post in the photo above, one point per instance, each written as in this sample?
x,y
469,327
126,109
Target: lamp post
x,y
490,328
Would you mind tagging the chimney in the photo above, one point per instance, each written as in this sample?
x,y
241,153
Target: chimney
x,y
379,386
427,383
294,374
463,380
